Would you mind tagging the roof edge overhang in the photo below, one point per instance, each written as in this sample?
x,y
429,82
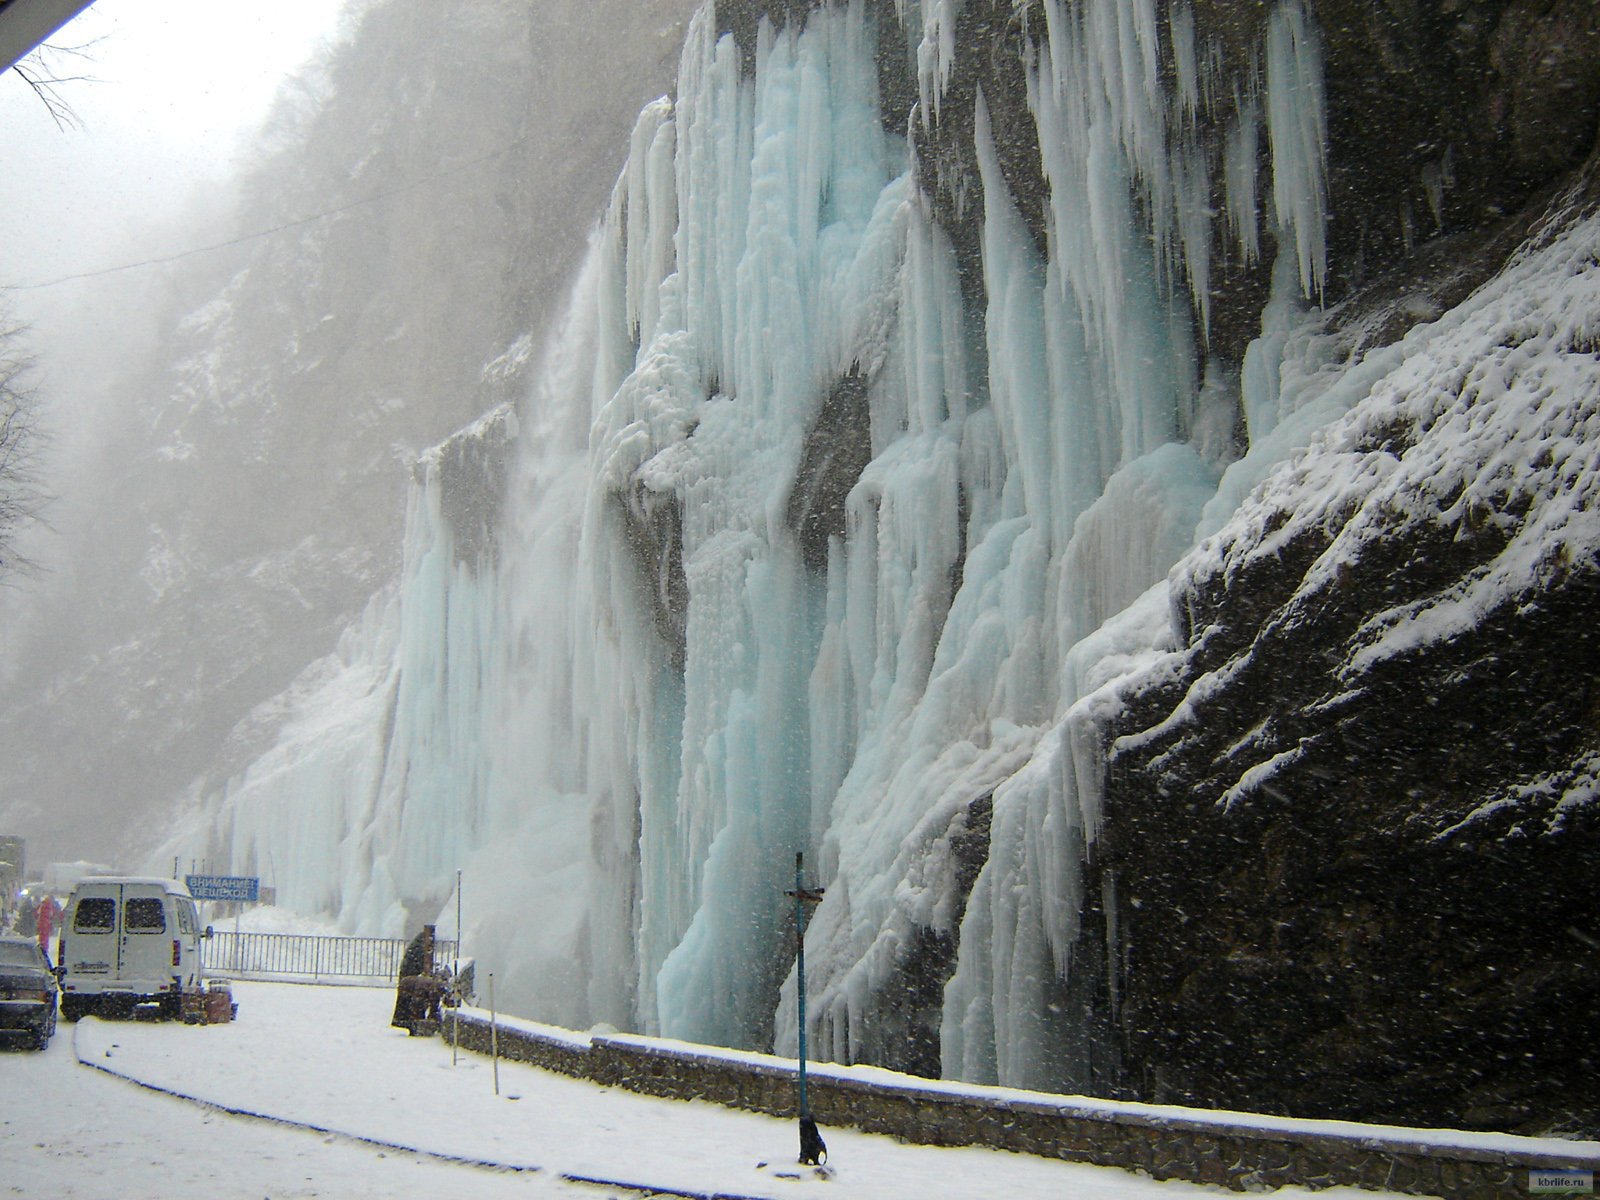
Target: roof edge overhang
x,y
24,24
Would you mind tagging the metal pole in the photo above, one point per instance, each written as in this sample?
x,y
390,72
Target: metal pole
x,y
812,1150
455,980
800,972
494,1036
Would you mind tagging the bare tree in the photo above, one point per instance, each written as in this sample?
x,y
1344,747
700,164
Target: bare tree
x,y
22,497
42,72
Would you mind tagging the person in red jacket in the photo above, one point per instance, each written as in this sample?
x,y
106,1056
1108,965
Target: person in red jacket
x,y
49,913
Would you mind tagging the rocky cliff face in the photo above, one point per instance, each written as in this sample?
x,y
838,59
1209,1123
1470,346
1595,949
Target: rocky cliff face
x,y
1333,881
1352,826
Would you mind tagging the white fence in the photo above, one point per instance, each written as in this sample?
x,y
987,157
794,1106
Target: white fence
x,y
310,956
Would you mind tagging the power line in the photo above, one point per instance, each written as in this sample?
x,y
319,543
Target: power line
x,y
424,181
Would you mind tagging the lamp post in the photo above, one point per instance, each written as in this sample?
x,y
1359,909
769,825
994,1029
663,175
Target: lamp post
x,y
812,1150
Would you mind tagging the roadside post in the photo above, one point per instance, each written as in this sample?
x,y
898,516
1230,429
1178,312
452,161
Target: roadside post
x,y
455,980
812,1150
494,1036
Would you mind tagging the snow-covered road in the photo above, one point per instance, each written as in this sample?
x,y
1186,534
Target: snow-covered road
x,y
82,1135
324,1063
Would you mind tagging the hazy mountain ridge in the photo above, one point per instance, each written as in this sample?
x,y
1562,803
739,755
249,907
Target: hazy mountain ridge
x,y
250,491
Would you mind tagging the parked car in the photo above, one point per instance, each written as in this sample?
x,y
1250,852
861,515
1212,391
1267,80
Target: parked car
x,y
27,991
128,941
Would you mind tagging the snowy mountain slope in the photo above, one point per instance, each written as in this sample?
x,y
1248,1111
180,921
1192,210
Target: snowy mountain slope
x,y
917,344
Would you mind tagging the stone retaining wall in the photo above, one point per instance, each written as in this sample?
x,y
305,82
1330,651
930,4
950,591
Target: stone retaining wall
x,y
1234,1150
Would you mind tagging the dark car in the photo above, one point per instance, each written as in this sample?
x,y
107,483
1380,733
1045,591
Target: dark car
x,y
27,991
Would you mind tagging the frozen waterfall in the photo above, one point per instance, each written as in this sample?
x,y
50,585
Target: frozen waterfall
x,y
795,547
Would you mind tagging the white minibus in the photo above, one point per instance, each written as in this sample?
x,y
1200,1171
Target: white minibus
x,y
126,941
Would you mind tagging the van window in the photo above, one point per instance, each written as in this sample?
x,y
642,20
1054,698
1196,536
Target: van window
x,y
188,919
96,914
144,915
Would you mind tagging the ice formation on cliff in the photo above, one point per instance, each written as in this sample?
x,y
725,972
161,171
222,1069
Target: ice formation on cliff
x,y
623,720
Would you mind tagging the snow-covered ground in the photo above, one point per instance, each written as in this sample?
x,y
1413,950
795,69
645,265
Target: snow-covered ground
x,y
358,1109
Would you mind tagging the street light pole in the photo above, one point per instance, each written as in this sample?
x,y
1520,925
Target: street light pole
x,y
812,1150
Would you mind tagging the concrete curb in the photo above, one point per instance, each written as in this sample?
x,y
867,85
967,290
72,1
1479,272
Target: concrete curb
x,y
1235,1150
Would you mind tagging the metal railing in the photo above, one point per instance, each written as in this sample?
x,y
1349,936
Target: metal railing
x,y
310,956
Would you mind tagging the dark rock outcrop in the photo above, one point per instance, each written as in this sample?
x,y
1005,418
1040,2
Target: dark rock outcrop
x,y
1361,885
838,448
472,467
904,1028
654,524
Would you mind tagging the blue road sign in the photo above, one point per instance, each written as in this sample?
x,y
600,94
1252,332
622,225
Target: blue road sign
x,y
224,887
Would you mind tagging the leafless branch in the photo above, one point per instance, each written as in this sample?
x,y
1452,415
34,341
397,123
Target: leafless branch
x,y
22,496
41,72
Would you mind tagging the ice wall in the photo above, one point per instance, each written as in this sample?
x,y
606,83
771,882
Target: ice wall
x,y
1102,452
672,670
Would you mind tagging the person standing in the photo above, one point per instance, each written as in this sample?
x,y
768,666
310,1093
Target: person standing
x,y
49,914
419,991
28,917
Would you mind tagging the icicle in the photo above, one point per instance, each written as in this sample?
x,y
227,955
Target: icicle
x,y
1180,24
651,216
936,51
1437,179
1240,157
1193,199
1297,127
